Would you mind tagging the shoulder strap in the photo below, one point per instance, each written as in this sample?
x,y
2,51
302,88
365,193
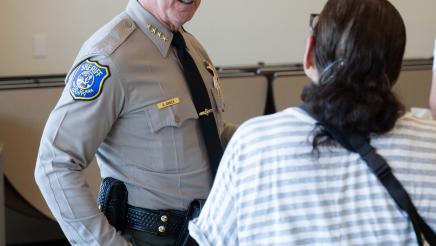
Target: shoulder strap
x,y
359,143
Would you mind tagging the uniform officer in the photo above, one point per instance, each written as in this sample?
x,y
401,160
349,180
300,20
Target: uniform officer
x,y
127,101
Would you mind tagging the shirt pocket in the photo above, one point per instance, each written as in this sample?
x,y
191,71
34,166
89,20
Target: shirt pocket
x,y
175,114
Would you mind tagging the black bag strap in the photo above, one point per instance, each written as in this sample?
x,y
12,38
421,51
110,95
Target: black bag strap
x,y
359,143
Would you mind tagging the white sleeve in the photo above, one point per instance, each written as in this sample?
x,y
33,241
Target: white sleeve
x,y
217,223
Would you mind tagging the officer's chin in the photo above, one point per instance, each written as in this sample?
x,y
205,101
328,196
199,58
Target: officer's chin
x,y
186,1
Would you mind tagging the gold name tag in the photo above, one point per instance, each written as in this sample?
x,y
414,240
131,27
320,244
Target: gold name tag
x,y
167,103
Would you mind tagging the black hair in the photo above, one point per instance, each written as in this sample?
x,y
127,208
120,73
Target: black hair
x,y
359,48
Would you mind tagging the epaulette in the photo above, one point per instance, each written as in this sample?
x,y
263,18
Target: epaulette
x,y
107,39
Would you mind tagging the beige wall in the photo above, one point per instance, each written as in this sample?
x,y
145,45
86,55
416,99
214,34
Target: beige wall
x,y
234,32
65,24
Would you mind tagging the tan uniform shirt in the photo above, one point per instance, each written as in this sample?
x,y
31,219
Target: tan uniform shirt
x,y
140,123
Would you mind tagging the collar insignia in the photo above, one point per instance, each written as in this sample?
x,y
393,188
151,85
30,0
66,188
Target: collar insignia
x,y
154,30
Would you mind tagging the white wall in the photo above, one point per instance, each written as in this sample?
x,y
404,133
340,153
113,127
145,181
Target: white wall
x,y
234,31
275,31
65,24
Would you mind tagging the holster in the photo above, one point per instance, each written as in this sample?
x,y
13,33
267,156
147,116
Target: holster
x,y
193,212
112,202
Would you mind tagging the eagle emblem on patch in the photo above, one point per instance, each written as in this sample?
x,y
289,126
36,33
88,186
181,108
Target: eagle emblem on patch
x,y
87,80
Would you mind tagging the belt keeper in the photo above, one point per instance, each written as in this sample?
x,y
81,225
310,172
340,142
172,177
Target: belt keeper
x,y
163,223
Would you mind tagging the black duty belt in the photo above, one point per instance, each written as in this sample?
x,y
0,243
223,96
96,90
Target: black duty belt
x,y
158,222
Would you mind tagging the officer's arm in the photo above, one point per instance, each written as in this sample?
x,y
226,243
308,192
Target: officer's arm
x,y
90,104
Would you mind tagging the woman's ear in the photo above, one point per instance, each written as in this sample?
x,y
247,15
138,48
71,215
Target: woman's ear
x,y
309,62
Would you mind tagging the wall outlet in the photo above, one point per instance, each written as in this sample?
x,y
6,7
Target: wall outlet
x,y
39,46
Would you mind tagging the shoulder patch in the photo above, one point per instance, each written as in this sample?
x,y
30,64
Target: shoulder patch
x,y
87,80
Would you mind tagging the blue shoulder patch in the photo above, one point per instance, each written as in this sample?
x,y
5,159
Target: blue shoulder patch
x,y
87,80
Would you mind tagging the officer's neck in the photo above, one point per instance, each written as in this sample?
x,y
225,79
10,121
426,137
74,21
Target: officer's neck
x,y
159,15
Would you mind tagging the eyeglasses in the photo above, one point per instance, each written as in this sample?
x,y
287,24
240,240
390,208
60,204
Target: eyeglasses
x,y
313,21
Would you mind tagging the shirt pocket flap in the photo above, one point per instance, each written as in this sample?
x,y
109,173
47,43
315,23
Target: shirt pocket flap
x,y
171,112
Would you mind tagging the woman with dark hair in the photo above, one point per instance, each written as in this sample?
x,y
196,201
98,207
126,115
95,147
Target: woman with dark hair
x,y
284,180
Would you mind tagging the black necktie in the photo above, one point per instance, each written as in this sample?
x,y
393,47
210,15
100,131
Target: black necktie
x,y
202,103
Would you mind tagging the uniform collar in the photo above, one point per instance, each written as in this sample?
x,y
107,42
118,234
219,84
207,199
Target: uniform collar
x,y
152,28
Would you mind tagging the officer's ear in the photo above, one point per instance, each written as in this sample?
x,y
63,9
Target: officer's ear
x,y
309,60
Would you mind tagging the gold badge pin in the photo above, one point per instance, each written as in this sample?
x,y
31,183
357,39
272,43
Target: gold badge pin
x,y
168,103
214,73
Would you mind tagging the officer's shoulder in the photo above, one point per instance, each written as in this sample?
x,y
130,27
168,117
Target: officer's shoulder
x,y
108,38
92,65
105,41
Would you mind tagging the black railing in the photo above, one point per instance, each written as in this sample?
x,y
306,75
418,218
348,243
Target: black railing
x,y
267,70
35,81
